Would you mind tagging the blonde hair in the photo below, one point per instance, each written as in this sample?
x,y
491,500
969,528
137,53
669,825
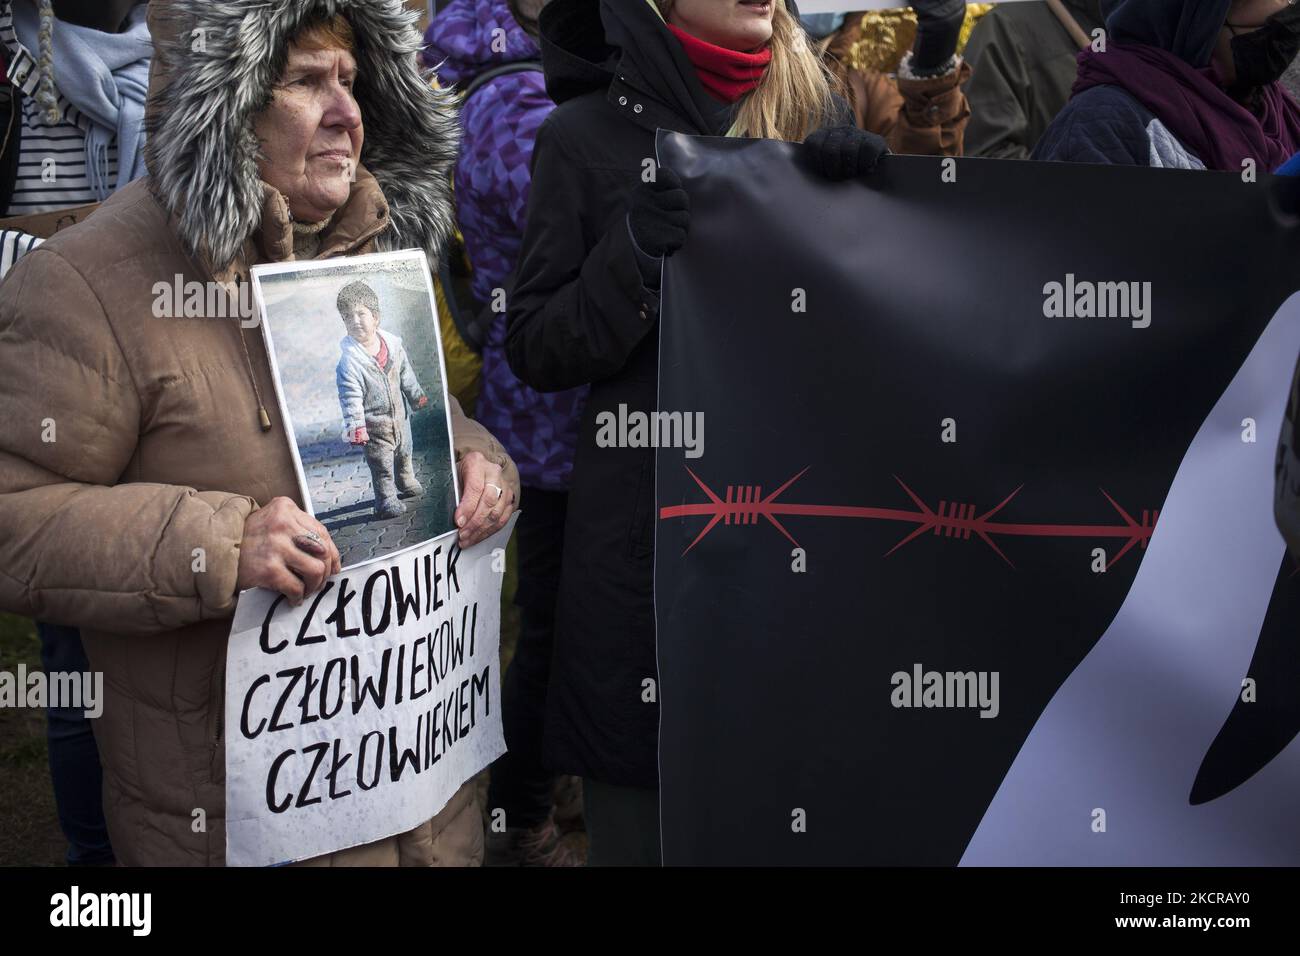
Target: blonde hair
x,y
797,92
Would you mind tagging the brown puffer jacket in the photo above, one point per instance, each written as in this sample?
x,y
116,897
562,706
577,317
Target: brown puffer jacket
x,y
132,441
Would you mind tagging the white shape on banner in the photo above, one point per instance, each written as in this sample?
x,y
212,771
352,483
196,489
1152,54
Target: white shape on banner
x,y
1132,724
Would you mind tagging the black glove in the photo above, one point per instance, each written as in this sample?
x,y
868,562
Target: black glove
x,y
844,152
659,214
938,27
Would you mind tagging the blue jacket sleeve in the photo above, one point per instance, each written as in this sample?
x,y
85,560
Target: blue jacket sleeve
x,y
352,395
410,384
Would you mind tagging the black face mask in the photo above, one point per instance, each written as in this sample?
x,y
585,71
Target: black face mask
x,y
1262,56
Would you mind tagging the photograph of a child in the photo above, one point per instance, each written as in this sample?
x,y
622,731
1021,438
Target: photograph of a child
x,y
377,391
354,346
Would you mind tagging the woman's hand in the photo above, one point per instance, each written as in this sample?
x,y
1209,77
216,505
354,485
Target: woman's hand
x,y
287,550
485,502
844,152
938,28
659,214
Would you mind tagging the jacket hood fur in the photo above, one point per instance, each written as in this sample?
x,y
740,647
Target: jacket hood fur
x,y
214,68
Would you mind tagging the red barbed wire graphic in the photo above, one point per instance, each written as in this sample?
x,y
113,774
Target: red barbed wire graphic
x,y
745,504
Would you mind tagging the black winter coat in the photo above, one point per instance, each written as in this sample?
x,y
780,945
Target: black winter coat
x,y
579,313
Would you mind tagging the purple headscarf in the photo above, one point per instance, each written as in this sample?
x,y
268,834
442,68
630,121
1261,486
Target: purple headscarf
x,y
1195,107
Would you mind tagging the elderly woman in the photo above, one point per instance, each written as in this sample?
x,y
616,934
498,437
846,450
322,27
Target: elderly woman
x,y
134,443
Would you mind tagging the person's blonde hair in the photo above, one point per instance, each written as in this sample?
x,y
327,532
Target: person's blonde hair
x,y
795,95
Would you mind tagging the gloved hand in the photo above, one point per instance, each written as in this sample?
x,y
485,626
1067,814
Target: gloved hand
x,y
360,436
659,214
938,27
844,152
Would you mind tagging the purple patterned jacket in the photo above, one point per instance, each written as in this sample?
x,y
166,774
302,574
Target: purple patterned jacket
x,y
500,123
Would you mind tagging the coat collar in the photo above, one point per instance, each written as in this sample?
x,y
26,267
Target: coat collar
x,y
363,217
391,340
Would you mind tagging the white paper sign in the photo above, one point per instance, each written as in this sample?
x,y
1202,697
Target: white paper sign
x,y
359,714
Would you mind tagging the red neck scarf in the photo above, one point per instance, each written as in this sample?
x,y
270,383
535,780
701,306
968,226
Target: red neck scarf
x,y
726,75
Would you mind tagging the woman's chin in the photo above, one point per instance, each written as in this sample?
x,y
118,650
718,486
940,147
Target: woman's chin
x,y
751,39
320,204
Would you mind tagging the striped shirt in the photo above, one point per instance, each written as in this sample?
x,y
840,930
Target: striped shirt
x,y
52,157
13,246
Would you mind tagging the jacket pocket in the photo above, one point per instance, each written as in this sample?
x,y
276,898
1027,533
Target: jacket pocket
x,y
641,532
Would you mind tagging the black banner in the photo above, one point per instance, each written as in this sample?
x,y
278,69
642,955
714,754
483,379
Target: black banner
x,y
975,562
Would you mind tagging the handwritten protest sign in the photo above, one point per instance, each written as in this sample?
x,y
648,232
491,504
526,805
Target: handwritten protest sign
x,y
358,715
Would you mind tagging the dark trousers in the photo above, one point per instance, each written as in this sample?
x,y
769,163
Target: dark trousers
x,y
519,783
74,759
622,825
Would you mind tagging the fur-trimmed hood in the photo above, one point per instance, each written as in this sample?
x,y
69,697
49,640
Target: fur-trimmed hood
x,y
214,68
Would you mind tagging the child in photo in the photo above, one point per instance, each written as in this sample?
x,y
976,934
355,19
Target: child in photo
x,y
376,382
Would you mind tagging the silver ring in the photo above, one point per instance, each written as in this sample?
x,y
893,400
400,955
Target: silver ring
x,y
313,536
500,490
